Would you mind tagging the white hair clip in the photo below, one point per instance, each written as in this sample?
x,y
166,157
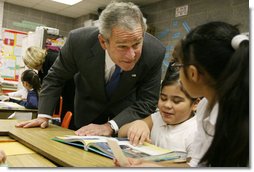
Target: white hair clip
x,y
238,39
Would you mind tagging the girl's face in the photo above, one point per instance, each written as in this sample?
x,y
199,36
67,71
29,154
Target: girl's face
x,y
26,85
174,106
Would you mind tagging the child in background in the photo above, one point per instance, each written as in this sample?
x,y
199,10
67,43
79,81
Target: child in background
x,y
31,82
215,64
21,93
173,127
2,157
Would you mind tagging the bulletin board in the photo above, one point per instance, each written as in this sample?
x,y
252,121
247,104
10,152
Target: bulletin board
x,y
170,31
11,54
170,35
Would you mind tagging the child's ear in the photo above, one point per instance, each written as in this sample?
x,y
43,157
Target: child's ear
x,y
195,104
193,73
26,84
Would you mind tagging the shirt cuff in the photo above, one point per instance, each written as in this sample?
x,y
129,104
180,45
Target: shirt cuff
x,y
114,125
44,116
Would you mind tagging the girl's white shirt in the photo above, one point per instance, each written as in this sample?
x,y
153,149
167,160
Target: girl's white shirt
x,y
206,124
178,137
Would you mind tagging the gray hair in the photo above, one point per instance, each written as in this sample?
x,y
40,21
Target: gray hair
x,y
125,15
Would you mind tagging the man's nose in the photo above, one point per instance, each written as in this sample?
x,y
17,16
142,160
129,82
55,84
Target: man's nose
x,y
130,53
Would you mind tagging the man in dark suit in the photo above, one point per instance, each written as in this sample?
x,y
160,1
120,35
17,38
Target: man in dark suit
x,y
93,55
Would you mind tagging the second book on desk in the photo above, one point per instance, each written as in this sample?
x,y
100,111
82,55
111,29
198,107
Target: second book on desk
x,y
98,144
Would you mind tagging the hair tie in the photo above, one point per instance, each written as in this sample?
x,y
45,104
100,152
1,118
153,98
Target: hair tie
x,y
236,41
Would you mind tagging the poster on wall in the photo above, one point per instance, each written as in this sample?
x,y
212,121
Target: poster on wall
x,y
11,54
170,35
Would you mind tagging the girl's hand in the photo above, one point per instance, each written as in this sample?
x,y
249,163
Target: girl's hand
x,y
2,157
138,133
138,163
131,161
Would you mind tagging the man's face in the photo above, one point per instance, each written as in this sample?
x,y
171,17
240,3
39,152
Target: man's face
x,y
124,46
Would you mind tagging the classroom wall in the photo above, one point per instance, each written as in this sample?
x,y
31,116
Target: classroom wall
x,y
79,22
169,29
26,19
160,18
1,14
160,15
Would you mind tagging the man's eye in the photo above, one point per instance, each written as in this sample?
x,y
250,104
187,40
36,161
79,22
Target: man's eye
x,y
136,45
122,47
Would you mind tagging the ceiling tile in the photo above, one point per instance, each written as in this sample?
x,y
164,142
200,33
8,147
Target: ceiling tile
x,y
83,8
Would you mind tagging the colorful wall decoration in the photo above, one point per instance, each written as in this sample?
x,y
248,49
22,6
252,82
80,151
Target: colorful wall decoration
x,y
11,54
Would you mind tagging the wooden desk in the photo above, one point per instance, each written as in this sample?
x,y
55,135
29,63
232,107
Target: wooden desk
x,y
20,156
8,108
39,140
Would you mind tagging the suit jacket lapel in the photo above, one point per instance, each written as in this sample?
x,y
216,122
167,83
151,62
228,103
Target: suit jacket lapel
x,y
96,64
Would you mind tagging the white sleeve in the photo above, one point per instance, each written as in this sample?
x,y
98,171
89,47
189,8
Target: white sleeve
x,y
20,93
44,116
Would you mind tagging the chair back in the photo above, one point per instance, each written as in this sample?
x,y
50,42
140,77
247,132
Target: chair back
x,y
66,120
58,115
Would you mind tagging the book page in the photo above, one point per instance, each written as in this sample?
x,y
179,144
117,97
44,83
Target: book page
x,y
10,105
15,98
118,153
21,115
4,98
146,149
86,140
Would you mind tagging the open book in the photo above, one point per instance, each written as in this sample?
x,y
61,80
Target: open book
x,y
99,144
10,105
6,98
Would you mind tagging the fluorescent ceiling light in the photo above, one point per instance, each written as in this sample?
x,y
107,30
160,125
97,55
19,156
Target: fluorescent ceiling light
x,y
68,2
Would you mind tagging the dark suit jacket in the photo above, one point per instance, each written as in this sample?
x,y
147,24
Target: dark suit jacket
x,y
69,86
137,93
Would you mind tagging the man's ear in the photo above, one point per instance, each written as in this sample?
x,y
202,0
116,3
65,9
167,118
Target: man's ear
x,y
102,41
193,73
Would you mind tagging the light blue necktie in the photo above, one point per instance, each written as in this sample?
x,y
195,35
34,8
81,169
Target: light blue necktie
x,y
113,82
